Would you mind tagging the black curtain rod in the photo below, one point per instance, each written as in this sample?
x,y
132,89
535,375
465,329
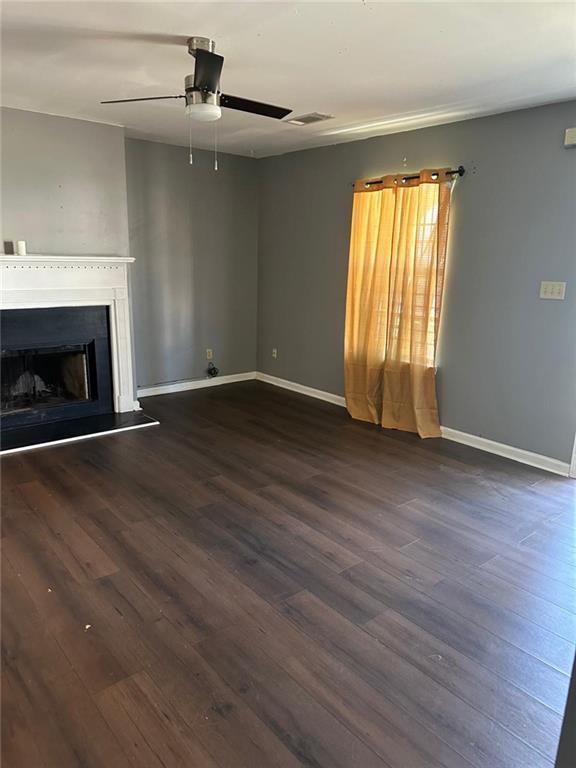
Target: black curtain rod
x,y
460,171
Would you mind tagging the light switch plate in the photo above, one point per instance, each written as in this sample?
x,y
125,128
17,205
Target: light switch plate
x,y
570,137
552,290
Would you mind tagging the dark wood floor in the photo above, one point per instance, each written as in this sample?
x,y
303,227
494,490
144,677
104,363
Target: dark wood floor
x,y
261,582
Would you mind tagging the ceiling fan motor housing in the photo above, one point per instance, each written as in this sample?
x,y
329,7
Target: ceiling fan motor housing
x,y
196,96
202,105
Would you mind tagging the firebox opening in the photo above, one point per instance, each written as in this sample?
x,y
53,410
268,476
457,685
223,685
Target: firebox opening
x,y
44,377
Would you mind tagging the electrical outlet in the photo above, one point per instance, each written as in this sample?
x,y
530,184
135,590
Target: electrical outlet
x,y
551,290
274,352
209,354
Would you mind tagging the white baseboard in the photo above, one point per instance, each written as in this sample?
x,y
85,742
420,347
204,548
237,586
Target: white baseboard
x,y
302,389
182,386
508,451
474,441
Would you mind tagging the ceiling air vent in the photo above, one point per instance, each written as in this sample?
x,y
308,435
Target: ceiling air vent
x,y
311,117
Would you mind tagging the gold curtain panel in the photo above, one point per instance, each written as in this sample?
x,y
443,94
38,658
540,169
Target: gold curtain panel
x,y
394,298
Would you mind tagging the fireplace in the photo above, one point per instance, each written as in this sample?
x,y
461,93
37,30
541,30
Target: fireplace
x,y
66,350
55,364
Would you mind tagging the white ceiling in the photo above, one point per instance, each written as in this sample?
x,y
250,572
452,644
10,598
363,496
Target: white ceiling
x,y
378,67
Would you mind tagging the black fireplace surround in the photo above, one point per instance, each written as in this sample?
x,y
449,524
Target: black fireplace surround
x,y
55,365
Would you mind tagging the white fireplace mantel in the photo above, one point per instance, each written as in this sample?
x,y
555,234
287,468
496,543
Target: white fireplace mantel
x,y
40,280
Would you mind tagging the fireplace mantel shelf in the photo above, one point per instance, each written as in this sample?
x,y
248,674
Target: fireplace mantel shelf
x,y
31,258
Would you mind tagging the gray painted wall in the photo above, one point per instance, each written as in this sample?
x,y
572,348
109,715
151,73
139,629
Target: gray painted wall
x,y
507,360
194,234
63,184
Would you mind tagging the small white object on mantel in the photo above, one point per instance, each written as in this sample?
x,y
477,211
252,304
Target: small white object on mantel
x,y
42,280
21,247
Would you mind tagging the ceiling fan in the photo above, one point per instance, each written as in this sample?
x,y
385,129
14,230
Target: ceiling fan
x,y
202,89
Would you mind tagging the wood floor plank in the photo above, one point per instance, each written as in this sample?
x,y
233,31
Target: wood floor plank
x,y
227,728
529,577
18,744
368,514
17,517
307,539
88,554
89,655
397,564
253,570
443,619
525,634
184,601
515,597
55,593
525,717
304,570
64,721
549,544
479,740
374,718
315,515
20,619
219,585
313,735
151,732
543,564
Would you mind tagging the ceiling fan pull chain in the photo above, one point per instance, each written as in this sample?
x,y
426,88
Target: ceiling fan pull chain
x,y
216,146
190,155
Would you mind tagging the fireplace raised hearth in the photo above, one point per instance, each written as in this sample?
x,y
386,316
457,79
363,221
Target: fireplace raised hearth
x,y
55,364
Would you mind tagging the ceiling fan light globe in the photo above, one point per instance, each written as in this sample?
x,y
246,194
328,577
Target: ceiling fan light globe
x,y
203,113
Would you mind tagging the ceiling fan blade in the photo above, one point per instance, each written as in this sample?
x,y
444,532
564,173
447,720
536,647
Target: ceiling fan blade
x,y
143,98
207,70
255,107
